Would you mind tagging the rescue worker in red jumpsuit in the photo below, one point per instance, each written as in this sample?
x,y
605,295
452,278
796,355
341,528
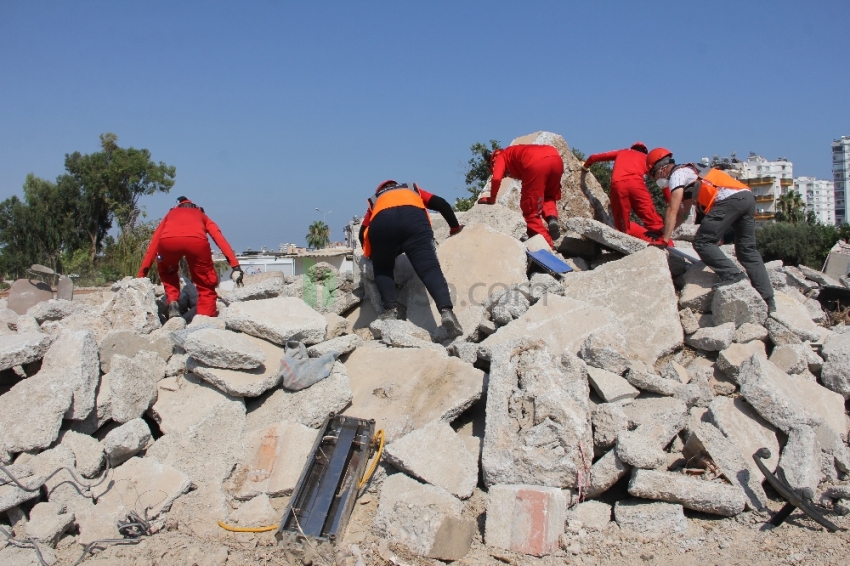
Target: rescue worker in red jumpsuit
x,y
540,169
396,222
183,233
629,192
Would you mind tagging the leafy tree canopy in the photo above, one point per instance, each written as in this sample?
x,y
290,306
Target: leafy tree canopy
x,y
477,173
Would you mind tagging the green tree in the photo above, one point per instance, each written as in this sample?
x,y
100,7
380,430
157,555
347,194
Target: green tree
x,y
110,183
477,173
602,170
791,208
318,235
802,243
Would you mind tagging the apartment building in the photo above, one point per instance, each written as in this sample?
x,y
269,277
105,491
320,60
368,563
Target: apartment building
x,y
841,177
819,197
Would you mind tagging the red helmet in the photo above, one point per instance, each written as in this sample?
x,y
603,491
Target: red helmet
x,y
639,146
386,183
657,158
493,155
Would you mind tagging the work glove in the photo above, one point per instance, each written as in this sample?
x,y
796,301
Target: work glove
x,y
455,230
585,168
236,276
485,200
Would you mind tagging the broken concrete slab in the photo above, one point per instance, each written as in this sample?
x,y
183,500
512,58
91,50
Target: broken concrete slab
x,y
272,462
605,472
699,495
642,377
693,321
11,495
341,344
794,316
498,217
779,334
605,235
201,509
729,360
224,349
132,384
436,455
525,518
31,413
310,406
132,306
406,388
258,512
641,448
424,518
706,439
278,320
73,359
122,443
245,382
27,324
712,339
142,483
748,332
738,303
801,458
402,334
593,515
608,420
56,309
47,523
791,358
819,277
88,453
746,429
26,556
538,417
698,290
835,373
610,386
267,288
128,343
606,349
20,349
797,279
209,450
638,289
653,520
183,402
762,387
337,326
563,323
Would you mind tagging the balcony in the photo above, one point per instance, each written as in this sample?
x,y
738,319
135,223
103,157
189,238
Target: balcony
x,y
759,181
765,216
764,198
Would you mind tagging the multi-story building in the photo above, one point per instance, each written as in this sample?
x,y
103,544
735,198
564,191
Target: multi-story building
x,y
841,177
819,197
768,180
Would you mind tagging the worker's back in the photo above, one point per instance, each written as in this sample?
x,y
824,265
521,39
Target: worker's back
x,y
182,222
629,165
518,158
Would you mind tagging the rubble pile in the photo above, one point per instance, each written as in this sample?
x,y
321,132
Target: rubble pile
x,y
626,395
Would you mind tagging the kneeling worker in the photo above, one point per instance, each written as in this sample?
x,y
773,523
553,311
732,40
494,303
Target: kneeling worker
x,y
723,202
540,169
396,221
183,232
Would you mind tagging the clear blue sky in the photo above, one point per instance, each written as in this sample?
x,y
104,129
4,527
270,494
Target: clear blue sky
x,y
271,109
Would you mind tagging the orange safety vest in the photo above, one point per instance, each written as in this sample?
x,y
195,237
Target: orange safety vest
x,y
391,197
709,182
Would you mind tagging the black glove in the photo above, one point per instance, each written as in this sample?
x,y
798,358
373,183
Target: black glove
x,y
236,276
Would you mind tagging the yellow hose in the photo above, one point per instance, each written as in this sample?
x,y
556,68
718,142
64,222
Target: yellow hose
x,y
227,527
368,476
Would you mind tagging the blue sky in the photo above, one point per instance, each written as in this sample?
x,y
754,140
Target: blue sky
x,y
272,109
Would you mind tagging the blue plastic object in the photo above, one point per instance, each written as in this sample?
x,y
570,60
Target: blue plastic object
x,y
549,262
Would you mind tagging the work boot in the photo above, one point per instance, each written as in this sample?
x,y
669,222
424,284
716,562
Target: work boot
x,y
737,278
389,314
173,309
771,305
451,323
554,228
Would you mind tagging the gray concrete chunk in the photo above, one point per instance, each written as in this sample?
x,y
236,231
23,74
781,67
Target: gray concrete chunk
x,y
525,518
125,441
31,413
700,495
746,429
835,373
605,472
712,339
245,382
73,360
610,386
605,349
224,349
19,349
730,359
342,344
653,520
277,320
801,458
436,454
738,303
605,235
132,383
748,332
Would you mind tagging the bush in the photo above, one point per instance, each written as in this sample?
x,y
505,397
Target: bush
x,y
799,244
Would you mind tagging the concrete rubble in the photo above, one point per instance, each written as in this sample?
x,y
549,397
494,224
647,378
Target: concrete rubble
x,y
630,389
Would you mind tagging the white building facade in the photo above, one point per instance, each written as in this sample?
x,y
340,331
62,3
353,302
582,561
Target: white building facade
x,y
819,196
768,180
841,178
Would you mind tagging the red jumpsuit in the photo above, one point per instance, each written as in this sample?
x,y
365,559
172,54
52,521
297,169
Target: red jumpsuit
x,y
629,192
540,169
183,232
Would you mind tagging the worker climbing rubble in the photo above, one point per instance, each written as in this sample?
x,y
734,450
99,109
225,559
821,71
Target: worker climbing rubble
x,y
629,192
183,233
396,222
721,203
540,168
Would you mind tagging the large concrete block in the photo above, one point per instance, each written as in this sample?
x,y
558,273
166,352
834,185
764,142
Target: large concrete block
x,y
746,429
652,520
20,349
525,518
224,349
131,307
496,216
605,235
563,323
793,315
639,290
610,386
31,413
73,360
699,495
273,460
125,441
835,373
437,455
56,309
243,382
605,472
698,290
729,360
713,339
132,384
266,288
538,417
277,320
406,388
606,349
738,303
608,420
128,343
801,458
424,518
183,402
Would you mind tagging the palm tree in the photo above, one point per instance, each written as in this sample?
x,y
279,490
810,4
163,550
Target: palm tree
x,y
791,208
318,235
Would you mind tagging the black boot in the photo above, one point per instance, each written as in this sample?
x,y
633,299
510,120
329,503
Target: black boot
x,y
173,309
451,323
554,228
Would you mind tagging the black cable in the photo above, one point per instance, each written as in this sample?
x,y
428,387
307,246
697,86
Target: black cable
x,y
76,480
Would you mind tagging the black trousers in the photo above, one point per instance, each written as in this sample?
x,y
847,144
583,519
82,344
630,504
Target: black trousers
x,y
406,229
738,213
